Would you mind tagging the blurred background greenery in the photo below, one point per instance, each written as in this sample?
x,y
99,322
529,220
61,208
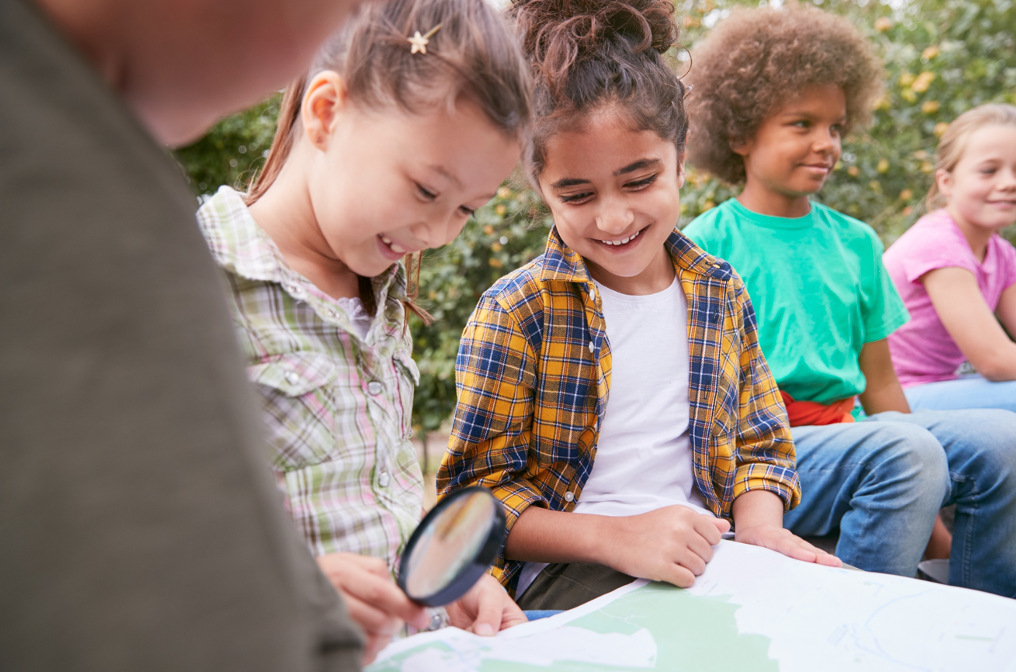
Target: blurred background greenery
x,y
942,58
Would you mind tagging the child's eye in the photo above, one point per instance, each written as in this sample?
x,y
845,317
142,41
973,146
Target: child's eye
x,y
468,212
987,171
575,198
641,184
802,123
837,129
429,195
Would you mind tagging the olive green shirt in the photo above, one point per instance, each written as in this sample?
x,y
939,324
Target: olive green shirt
x,y
140,528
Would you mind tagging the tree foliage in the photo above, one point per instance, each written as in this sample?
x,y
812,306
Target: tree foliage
x,y
232,152
942,58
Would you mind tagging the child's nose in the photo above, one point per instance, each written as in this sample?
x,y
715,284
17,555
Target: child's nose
x,y
826,141
614,216
1008,179
438,230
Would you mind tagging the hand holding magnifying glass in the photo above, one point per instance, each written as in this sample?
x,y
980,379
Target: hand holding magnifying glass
x,y
445,563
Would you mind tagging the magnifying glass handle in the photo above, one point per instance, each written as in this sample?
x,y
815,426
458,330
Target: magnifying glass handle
x,y
438,619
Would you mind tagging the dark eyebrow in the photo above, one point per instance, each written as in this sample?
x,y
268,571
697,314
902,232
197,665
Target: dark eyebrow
x,y
630,168
568,182
638,165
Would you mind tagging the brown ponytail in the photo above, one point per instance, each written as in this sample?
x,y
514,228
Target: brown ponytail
x,y
282,143
473,56
586,54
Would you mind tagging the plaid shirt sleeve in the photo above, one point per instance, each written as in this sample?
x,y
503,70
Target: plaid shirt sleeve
x,y
496,379
764,446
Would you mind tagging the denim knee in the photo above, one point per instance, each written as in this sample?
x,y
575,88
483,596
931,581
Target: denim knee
x,y
911,453
987,451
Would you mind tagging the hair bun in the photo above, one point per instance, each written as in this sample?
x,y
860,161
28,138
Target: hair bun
x,y
574,30
590,53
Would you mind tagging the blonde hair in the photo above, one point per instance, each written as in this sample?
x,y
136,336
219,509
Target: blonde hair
x,y
954,141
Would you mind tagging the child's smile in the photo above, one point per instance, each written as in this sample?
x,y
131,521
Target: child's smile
x,y
614,194
624,243
392,250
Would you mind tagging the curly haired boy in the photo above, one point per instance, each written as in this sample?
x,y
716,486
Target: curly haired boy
x,y
775,91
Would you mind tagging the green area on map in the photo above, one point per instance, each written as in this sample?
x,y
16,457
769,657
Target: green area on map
x,y
691,632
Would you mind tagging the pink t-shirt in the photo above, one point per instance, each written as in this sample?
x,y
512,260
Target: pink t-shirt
x,y
922,350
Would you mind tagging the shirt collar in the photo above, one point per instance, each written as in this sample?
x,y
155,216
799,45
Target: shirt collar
x,y
242,247
560,262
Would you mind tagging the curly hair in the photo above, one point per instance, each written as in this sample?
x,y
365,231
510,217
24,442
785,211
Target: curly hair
x,y
757,59
586,54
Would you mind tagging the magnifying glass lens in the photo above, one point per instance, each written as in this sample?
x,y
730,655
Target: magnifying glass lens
x,y
452,547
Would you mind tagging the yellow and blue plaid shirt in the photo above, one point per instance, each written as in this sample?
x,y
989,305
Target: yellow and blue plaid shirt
x,y
533,378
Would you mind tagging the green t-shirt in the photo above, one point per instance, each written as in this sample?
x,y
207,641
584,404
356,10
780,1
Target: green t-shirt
x,y
818,287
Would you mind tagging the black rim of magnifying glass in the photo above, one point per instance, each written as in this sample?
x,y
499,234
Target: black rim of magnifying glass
x,y
472,570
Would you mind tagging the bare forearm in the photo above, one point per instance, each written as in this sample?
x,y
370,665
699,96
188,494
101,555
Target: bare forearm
x,y
757,507
883,391
541,535
885,398
967,317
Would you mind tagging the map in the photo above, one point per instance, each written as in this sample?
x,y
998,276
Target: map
x,y
752,609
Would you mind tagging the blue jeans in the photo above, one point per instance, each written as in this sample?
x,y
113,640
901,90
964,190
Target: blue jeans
x,y
883,480
971,391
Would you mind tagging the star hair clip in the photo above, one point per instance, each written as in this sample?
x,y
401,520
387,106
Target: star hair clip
x,y
420,42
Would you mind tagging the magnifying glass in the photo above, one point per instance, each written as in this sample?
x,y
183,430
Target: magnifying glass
x,y
452,547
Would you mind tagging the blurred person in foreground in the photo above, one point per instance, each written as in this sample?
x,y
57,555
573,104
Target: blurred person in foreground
x,y
141,528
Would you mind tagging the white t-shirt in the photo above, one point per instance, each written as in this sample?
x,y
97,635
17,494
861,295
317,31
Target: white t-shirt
x,y
643,455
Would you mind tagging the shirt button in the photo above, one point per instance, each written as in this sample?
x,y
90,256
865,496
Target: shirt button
x,y
569,496
592,292
331,313
384,479
592,348
292,378
374,387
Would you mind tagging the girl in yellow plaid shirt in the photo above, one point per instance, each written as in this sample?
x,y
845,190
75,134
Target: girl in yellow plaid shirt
x,y
617,376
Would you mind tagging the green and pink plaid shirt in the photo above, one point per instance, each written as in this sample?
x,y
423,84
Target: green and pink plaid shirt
x,y
337,407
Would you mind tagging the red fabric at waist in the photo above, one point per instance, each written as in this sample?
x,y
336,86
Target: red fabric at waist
x,y
814,413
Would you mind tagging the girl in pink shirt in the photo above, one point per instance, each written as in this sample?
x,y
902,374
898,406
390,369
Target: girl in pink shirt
x,y
957,276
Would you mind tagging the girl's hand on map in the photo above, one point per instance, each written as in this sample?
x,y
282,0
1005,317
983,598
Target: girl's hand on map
x,y
784,541
758,520
485,609
374,601
671,544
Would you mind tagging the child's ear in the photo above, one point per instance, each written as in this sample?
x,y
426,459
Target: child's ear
x,y
326,97
943,179
742,147
680,171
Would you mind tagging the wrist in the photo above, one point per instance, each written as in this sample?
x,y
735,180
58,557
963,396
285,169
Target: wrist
x,y
744,530
757,508
606,540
